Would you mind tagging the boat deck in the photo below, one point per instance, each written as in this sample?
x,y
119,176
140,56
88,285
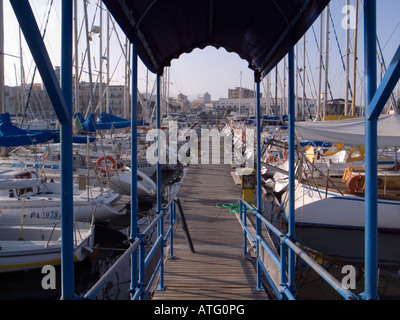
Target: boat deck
x,y
218,269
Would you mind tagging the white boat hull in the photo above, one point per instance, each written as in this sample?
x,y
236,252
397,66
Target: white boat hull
x,y
37,243
47,205
315,208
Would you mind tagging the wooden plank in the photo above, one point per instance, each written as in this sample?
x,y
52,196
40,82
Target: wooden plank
x,y
218,269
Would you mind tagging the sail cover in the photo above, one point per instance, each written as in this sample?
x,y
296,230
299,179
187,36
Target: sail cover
x,y
12,136
108,121
351,131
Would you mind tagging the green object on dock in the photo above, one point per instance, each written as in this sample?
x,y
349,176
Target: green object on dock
x,y
233,207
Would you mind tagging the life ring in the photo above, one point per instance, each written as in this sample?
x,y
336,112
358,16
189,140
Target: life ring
x,y
273,160
107,168
356,183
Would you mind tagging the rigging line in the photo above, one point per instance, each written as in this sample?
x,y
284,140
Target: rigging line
x,y
384,46
322,62
340,50
86,50
176,83
312,78
303,82
34,71
393,100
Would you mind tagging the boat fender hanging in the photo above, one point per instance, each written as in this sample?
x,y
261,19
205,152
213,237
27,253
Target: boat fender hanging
x,y
107,168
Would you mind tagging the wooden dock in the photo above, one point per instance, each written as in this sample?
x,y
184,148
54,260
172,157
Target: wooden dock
x,y
218,270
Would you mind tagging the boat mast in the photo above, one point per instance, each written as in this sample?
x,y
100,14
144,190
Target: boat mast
x,y
285,106
76,56
240,93
353,102
2,106
347,71
268,101
2,99
321,27
304,78
88,60
108,62
326,61
296,99
21,61
101,60
276,89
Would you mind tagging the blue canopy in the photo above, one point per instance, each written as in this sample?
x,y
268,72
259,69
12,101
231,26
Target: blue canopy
x,y
258,31
12,136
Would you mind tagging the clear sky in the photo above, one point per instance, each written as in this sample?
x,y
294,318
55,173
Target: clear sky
x,y
210,70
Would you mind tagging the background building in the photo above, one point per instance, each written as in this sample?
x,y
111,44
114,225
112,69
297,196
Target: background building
x,y
204,98
241,93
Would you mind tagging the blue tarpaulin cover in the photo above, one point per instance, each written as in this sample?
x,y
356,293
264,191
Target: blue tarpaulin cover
x,y
108,120
13,136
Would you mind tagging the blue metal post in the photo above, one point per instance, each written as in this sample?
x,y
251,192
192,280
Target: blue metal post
x,y
134,203
257,76
67,211
371,176
172,221
161,236
291,159
158,123
159,197
283,267
142,268
243,218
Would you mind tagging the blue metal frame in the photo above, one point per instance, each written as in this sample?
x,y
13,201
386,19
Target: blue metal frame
x,y
284,291
159,196
291,158
67,206
371,153
142,288
62,103
258,173
134,201
158,124
385,88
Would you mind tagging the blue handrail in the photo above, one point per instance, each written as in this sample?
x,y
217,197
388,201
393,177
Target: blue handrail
x,y
138,248
284,291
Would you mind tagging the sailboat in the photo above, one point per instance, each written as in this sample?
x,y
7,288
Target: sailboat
x,y
28,196
330,209
32,243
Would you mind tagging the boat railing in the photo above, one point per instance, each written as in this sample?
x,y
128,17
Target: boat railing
x,y
141,288
280,285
